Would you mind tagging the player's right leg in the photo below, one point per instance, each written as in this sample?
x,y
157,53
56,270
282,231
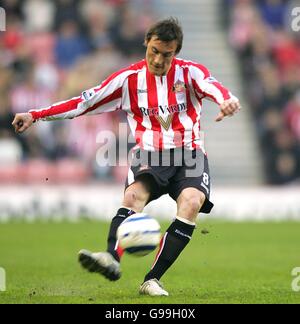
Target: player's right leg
x,y
135,199
108,263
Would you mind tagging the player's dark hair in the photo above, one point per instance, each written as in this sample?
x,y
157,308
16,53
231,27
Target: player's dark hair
x,y
166,30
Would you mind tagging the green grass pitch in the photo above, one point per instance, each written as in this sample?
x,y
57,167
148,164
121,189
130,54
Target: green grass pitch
x,y
233,263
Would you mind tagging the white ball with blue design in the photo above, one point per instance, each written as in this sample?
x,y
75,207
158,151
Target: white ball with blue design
x,y
139,234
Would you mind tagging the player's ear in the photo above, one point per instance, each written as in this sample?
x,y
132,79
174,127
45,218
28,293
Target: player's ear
x,y
146,42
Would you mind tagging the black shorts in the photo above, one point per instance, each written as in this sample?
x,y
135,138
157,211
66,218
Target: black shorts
x,y
170,172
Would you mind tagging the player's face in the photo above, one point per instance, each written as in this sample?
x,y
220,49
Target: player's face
x,y
159,55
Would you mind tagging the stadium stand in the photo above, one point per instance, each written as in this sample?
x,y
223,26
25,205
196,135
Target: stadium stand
x,y
268,51
72,45
69,46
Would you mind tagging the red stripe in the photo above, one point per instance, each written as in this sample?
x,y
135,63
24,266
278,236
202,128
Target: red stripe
x,y
73,103
198,94
177,126
115,95
195,84
200,102
136,66
153,104
137,114
192,113
120,252
57,109
205,71
224,91
201,67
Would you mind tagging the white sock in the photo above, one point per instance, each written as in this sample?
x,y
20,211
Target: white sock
x,y
186,221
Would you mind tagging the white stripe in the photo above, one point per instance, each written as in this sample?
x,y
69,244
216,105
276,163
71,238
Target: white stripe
x,y
126,106
198,108
108,107
103,92
190,127
132,124
99,95
117,245
186,221
205,86
162,98
143,102
66,115
55,105
184,118
110,88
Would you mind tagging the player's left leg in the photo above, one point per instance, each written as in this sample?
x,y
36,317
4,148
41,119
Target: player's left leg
x,y
189,203
192,196
175,240
179,233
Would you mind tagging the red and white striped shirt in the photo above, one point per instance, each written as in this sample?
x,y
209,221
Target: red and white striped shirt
x,y
163,111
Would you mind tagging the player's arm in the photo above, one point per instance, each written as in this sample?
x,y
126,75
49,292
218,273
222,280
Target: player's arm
x,y
104,98
208,87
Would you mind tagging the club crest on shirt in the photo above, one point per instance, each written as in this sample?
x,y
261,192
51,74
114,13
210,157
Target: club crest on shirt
x,y
179,87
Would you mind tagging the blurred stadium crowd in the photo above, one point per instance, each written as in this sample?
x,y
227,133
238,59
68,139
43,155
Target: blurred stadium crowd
x,y
52,51
269,55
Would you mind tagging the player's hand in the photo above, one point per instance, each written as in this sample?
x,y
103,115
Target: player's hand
x,y
228,108
22,122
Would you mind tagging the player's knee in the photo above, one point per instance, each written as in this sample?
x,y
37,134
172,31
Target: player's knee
x,y
135,200
194,204
191,201
130,198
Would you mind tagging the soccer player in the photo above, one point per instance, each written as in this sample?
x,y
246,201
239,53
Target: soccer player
x,y
162,96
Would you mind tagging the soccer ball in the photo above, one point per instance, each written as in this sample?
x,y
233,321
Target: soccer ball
x,y
139,234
